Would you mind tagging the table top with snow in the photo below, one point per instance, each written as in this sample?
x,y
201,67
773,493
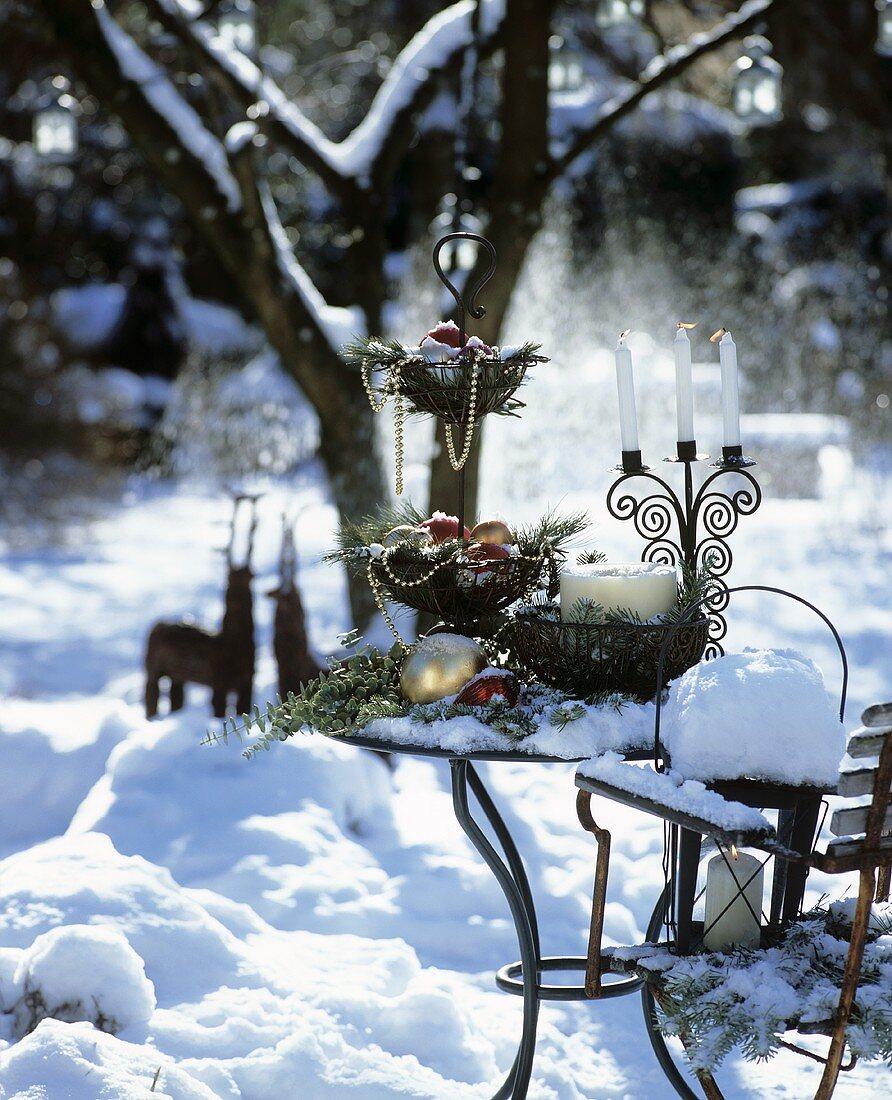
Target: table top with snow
x,y
762,714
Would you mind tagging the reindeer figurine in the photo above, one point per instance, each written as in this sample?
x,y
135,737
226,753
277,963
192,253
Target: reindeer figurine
x,y
295,663
224,662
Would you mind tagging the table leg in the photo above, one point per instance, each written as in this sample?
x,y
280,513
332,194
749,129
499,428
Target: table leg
x,y
688,865
802,838
515,886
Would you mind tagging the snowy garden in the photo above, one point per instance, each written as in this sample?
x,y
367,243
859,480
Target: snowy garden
x,y
445,531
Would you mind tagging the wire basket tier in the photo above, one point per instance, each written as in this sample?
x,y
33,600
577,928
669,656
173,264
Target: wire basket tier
x,y
462,594
461,392
590,658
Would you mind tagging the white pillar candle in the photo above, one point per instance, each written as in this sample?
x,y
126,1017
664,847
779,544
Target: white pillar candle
x,y
724,883
684,387
645,587
730,394
628,420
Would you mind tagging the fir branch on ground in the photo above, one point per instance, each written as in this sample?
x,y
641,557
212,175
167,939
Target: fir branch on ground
x,y
747,999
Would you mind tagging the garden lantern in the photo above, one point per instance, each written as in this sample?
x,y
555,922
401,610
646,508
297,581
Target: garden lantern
x,y
55,130
884,28
757,84
618,13
237,26
566,71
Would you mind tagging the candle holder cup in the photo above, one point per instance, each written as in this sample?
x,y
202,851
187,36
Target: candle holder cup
x,y
586,659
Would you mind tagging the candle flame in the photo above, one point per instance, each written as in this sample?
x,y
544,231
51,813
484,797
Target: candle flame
x,y
687,324
734,853
622,336
717,335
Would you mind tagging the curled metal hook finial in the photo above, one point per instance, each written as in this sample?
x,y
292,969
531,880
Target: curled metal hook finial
x,y
475,311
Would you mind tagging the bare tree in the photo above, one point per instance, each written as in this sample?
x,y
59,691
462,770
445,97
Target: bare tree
x,y
211,156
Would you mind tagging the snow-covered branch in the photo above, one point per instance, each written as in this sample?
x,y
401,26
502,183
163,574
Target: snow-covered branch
x,y
659,72
353,162
158,92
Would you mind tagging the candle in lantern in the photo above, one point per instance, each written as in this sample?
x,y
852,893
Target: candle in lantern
x,y
684,386
732,881
647,588
730,394
628,420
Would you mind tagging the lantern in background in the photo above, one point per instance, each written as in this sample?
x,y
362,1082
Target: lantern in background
x,y
566,70
757,84
618,13
55,129
884,28
237,26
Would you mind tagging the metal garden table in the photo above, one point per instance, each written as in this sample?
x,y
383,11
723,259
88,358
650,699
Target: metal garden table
x,y
524,977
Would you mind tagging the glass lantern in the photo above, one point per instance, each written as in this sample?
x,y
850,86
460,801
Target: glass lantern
x,y
566,69
237,26
757,84
618,13
55,132
884,28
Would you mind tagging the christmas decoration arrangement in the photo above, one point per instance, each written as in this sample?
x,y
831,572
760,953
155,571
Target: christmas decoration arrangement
x,y
521,636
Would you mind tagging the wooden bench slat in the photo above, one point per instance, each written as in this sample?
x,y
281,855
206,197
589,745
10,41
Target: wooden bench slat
x,y
852,845
853,784
879,716
853,819
867,742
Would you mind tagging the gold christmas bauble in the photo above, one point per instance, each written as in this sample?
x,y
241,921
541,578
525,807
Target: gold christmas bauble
x,y
405,533
494,531
440,665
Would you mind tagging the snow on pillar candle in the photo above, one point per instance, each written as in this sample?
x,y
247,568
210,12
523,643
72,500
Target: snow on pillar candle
x,y
730,391
646,588
684,386
731,883
625,383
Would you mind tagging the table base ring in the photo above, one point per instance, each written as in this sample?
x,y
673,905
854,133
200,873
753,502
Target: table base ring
x,y
509,979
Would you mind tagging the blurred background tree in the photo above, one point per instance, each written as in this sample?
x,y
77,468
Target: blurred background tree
x,y
279,165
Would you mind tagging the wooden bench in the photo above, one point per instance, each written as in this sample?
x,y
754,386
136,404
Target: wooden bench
x,y
869,852
863,844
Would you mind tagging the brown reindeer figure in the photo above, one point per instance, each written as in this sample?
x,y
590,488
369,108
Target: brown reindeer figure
x,y
224,662
293,658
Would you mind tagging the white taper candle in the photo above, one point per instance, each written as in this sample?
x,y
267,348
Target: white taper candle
x,y
739,924
628,419
730,393
684,387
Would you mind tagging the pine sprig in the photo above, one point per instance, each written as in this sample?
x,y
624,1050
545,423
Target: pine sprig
x,y
724,1001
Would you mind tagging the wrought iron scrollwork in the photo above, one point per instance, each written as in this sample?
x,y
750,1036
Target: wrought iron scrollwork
x,y
693,531
474,310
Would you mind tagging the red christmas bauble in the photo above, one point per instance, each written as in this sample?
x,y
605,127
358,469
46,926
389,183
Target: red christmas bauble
x,y
443,527
486,686
446,332
485,553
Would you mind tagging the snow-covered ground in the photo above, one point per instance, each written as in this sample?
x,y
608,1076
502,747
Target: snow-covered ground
x,y
307,924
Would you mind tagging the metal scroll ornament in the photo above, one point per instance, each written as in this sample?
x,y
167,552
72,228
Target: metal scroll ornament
x,y
694,531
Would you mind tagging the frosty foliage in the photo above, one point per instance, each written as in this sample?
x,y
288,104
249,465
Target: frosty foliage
x,y
747,999
82,972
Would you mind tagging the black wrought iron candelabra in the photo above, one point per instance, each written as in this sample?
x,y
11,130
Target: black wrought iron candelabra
x,y
694,530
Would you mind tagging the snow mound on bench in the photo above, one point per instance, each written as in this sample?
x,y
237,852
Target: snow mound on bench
x,y
762,713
